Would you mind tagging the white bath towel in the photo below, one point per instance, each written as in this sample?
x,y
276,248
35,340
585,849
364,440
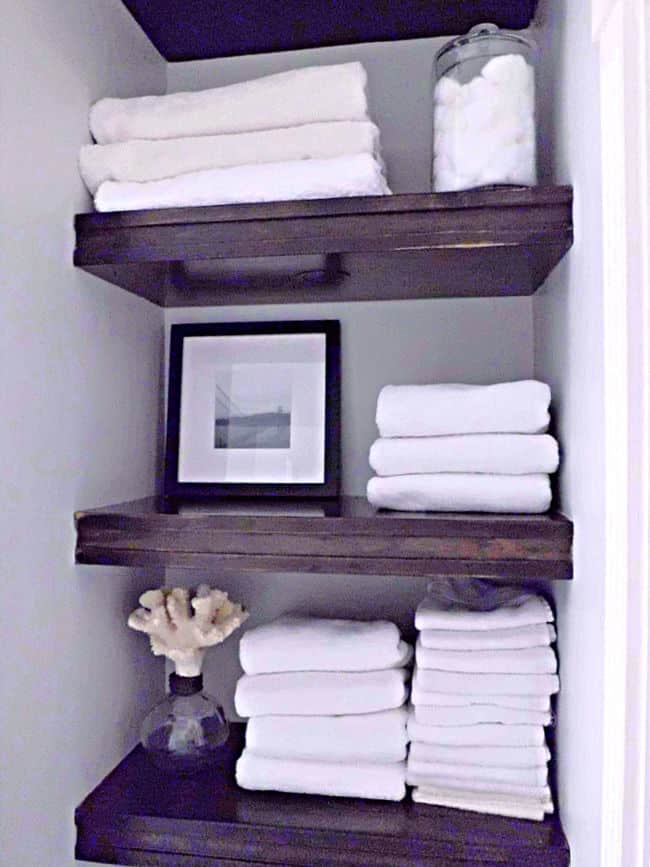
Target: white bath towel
x,y
373,737
464,683
509,454
450,408
523,610
293,643
320,693
435,715
490,804
461,492
527,660
534,635
358,175
482,735
489,756
298,96
426,773
538,793
352,780
150,160
462,700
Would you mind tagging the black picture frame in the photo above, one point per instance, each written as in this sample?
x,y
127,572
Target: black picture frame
x,y
194,377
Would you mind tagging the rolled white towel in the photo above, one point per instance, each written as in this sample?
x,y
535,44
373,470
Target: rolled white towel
x,y
298,96
524,610
464,683
357,175
507,454
320,693
487,756
482,735
461,492
425,773
372,737
490,804
352,780
450,408
293,643
437,715
527,660
419,696
533,635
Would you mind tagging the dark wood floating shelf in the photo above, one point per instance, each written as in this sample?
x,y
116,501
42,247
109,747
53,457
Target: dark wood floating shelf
x,y
486,242
345,536
140,815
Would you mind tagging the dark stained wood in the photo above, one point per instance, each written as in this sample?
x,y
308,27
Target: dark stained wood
x,y
345,536
487,242
140,815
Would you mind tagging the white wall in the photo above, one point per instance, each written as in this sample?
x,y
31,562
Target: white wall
x,y
80,384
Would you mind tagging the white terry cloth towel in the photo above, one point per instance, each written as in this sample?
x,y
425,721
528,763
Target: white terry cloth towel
x,y
451,408
420,773
435,715
465,683
540,793
352,780
373,737
356,175
481,735
461,492
497,757
509,454
476,802
523,610
421,696
527,660
320,693
534,635
292,98
150,160
294,643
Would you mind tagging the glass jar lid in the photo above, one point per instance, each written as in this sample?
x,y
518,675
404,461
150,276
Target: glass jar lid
x,y
478,41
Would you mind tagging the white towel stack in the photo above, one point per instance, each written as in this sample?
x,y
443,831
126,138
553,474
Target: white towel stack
x,y
463,448
480,701
325,701
301,134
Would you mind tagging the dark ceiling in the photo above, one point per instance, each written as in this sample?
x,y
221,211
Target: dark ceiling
x,y
199,29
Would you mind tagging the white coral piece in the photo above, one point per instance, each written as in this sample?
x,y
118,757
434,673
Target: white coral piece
x,y
182,628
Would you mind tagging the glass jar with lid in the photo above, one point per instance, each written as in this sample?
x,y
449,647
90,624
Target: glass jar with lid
x,y
484,111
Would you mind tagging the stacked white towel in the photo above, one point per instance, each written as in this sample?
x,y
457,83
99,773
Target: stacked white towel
x,y
480,701
300,134
463,448
325,701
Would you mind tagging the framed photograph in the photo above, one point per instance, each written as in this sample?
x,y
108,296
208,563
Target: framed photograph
x,y
254,410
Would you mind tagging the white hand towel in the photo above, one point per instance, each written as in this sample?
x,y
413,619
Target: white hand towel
x,y
426,773
353,780
293,643
509,454
494,805
490,756
320,693
534,635
539,793
432,715
150,160
461,492
528,660
358,175
487,684
298,96
482,735
450,408
523,610
460,700
373,737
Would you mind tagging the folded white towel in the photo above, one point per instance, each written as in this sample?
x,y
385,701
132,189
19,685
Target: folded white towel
x,y
358,175
482,735
489,756
527,660
372,737
461,700
353,780
450,408
298,96
426,773
534,635
476,802
524,610
487,684
538,793
293,643
435,715
461,492
320,693
509,454
150,160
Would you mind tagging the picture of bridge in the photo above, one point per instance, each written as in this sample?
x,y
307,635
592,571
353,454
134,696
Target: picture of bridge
x,y
252,414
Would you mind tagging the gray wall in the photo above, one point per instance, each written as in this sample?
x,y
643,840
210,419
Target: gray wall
x,y
80,379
